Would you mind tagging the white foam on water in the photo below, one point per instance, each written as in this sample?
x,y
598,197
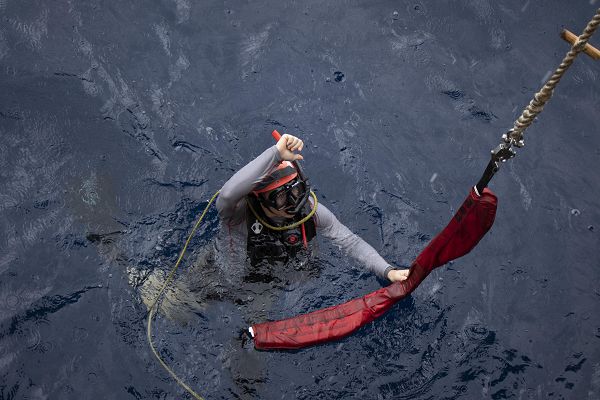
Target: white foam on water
x,y
403,43
33,31
183,10
162,31
176,70
89,85
252,48
89,191
498,38
3,45
482,8
525,195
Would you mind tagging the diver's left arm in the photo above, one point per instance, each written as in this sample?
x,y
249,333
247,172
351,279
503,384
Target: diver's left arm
x,y
354,246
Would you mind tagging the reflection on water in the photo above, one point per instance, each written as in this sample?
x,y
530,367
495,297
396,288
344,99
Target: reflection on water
x,y
203,299
212,276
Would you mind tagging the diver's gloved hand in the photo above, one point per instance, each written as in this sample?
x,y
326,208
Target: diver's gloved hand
x,y
395,275
287,145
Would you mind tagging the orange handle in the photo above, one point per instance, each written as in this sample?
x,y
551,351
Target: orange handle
x,y
276,135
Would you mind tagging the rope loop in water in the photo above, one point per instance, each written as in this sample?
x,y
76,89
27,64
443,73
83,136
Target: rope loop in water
x,y
151,313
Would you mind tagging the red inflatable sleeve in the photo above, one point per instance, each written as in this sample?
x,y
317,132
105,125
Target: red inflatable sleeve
x,y
468,226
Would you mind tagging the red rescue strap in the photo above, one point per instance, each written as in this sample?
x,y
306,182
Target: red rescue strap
x,y
468,226
304,240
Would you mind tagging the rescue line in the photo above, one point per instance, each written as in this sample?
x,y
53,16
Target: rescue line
x,y
467,227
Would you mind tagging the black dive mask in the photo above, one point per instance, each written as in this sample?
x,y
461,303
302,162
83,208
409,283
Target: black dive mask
x,y
290,197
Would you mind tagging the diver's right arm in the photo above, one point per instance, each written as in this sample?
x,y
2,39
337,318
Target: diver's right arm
x,y
243,181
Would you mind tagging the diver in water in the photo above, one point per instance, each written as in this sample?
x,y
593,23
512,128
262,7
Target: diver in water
x,y
269,218
267,215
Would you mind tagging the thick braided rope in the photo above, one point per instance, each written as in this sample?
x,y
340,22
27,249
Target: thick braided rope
x,y
541,98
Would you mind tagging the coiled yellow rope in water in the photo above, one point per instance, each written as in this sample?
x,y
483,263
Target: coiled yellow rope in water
x,y
152,314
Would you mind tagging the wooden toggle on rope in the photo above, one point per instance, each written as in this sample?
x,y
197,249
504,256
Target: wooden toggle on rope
x,y
588,49
541,98
514,137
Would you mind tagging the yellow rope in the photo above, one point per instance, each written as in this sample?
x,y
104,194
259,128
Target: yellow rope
x,y
152,314
295,224
515,136
161,291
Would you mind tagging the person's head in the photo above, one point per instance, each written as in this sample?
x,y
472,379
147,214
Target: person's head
x,y
281,192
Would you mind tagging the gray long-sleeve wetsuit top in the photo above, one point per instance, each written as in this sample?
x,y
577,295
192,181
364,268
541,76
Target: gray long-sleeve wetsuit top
x,y
232,206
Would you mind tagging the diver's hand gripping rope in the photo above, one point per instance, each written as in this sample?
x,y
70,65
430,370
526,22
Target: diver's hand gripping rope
x,y
160,293
514,137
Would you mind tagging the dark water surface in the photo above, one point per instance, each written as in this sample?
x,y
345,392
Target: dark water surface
x,y
119,119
